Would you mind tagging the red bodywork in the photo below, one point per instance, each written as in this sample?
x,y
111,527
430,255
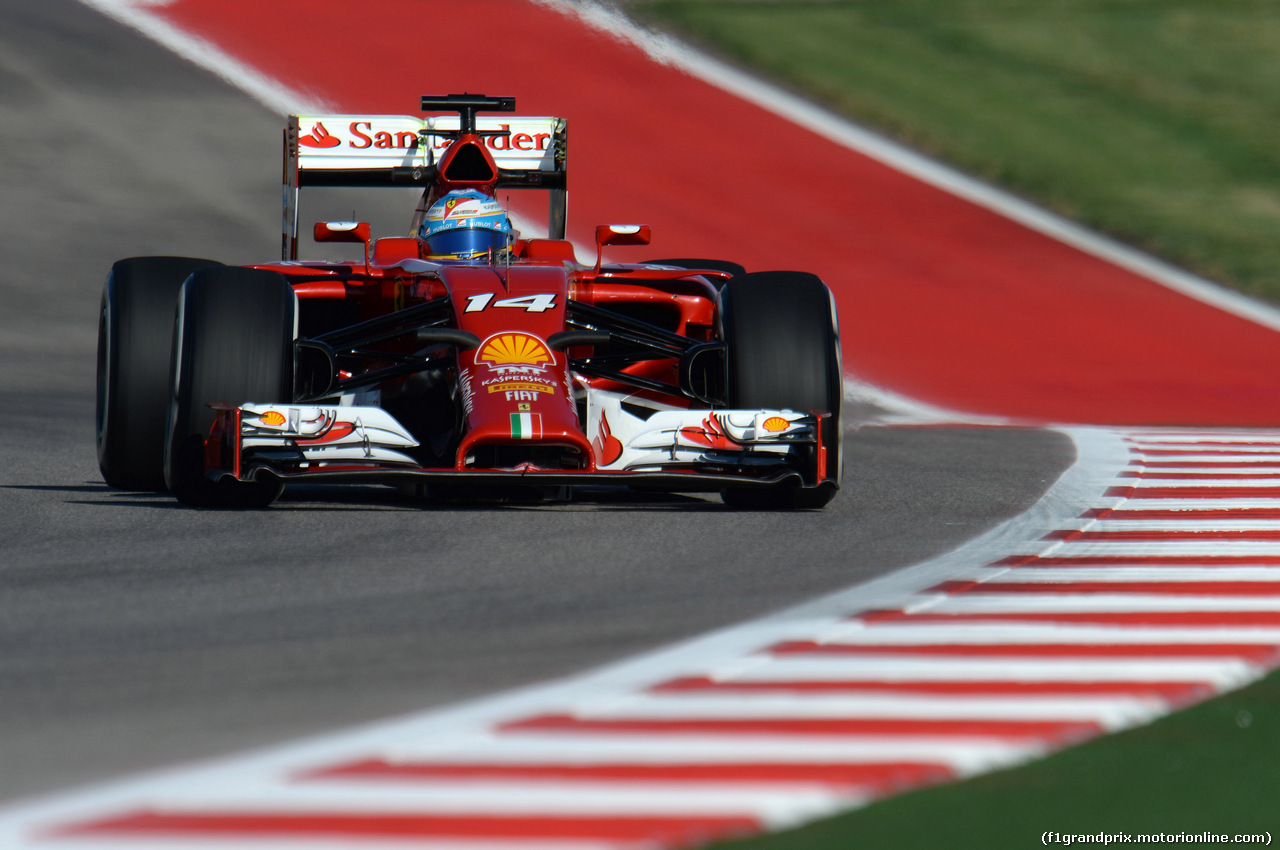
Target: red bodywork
x,y
541,384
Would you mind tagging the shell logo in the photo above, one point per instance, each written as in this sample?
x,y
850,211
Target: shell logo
x,y
272,417
514,349
774,424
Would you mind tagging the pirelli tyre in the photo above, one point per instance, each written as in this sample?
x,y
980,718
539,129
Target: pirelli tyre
x,y
232,343
135,333
783,350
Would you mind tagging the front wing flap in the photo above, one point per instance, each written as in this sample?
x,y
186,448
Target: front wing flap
x,y
643,439
672,449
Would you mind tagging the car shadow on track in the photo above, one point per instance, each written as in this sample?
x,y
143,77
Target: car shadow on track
x,y
344,498
347,498
56,488
109,497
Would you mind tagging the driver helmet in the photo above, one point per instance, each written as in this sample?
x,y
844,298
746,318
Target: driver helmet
x,y
467,226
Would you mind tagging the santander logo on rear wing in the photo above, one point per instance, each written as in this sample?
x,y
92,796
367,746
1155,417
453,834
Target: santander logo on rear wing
x,y
402,150
390,141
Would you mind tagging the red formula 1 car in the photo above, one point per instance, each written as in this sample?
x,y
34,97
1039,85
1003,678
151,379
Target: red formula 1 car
x,y
463,360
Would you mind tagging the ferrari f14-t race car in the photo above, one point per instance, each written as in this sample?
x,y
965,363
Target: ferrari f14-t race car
x,y
463,359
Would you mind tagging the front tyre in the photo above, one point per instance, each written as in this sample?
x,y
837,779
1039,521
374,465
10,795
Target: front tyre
x,y
232,343
135,333
783,343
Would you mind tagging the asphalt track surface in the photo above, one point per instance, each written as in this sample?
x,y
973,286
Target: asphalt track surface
x,y
135,633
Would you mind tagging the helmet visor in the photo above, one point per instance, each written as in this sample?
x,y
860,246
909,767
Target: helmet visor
x,y
466,243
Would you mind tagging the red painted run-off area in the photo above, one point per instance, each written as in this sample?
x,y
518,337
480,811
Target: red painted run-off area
x,y
939,300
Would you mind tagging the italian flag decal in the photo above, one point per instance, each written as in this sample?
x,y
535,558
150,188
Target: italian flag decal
x,y
526,426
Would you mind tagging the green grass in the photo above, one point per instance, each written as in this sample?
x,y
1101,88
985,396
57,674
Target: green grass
x,y
1214,768
1157,121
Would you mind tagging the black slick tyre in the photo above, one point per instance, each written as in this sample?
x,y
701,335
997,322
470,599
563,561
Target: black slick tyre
x,y
783,348
135,333
232,343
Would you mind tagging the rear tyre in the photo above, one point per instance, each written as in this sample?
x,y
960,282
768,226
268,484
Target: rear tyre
x,y
135,333
718,265
232,343
783,342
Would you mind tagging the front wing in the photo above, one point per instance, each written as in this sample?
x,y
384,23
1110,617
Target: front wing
x,y
677,450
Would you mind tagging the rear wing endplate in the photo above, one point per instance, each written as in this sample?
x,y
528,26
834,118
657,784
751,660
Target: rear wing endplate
x,y
402,150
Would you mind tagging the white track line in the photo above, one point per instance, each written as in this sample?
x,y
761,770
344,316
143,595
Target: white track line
x,y
1175,549
917,669
1051,575
1193,505
606,749
1022,632
461,798
1189,525
977,597
1110,711
1191,485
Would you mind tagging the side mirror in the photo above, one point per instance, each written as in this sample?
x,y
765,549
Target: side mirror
x,y
623,234
620,234
342,231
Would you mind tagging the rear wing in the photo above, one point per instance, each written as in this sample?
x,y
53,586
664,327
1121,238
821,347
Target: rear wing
x,y
402,150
